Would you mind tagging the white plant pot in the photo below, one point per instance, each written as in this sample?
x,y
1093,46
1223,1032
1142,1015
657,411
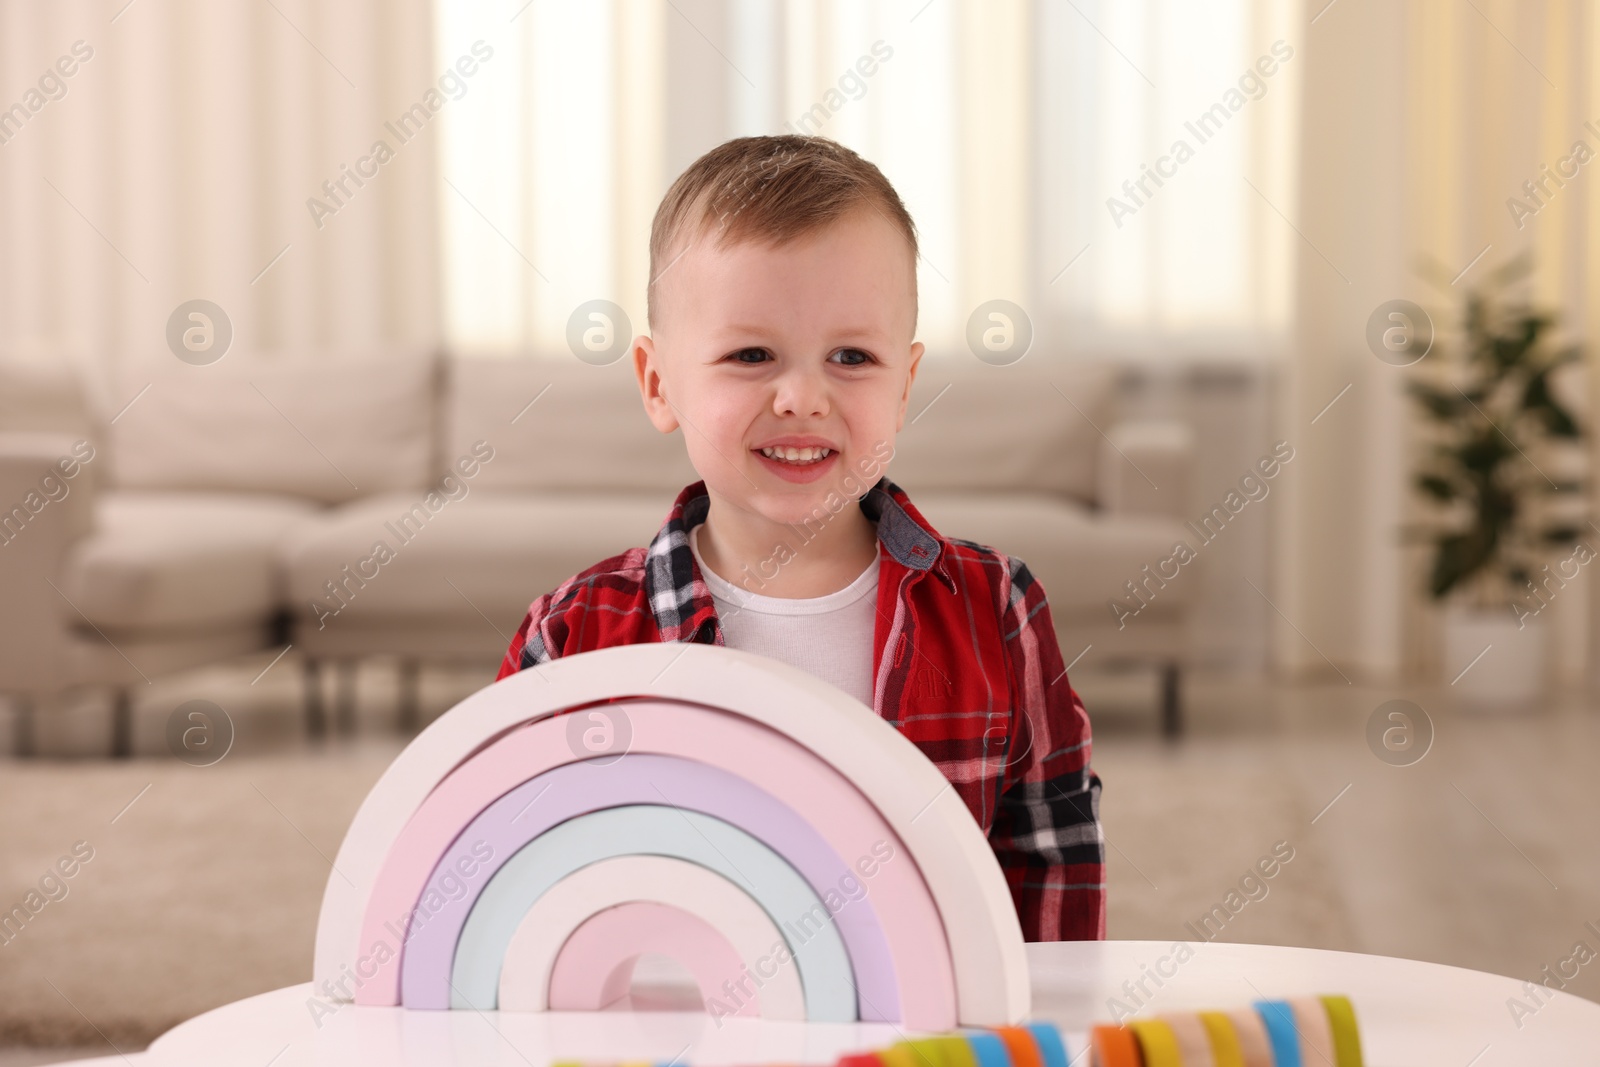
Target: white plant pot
x,y
1509,670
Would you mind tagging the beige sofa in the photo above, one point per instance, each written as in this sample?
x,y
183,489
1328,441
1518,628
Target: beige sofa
x,y
361,504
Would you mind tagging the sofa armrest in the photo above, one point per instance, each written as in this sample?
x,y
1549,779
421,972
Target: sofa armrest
x,y
1146,468
46,506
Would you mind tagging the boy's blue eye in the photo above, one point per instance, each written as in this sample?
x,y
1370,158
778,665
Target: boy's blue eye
x,y
862,361
759,353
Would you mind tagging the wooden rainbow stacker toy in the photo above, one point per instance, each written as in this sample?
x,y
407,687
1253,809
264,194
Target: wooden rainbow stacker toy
x,y
800,858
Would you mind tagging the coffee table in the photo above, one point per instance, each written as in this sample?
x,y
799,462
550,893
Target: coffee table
x,y
1410,1012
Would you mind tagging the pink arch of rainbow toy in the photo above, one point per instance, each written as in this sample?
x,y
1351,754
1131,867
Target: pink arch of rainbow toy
x,y
796,778
536,944
985,937
594,968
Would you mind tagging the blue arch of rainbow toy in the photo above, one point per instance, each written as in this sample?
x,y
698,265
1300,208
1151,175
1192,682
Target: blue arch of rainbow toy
x,y
655,830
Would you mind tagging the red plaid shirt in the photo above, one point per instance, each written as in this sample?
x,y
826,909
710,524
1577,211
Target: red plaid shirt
x,y
973,677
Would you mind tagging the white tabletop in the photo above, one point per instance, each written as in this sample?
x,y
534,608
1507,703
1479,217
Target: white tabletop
x,y
1409,1013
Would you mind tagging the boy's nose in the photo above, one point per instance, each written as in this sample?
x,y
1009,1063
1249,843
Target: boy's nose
x,y
801,392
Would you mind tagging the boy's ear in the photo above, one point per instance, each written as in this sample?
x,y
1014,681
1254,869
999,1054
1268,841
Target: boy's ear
x,y
647,371
911,376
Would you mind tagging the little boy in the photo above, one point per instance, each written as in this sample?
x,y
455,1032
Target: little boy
x,y
782,306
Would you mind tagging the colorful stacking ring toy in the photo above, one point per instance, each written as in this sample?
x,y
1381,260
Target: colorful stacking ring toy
x,y
1271,1033
1309,1031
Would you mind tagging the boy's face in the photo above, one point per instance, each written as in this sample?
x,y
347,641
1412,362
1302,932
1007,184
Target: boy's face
x,y
803,345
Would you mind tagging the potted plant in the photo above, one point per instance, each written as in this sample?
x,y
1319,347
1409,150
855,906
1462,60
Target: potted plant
x,y
1508,524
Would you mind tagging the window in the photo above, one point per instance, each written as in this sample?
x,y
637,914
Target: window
x,y
1165,156
1124,171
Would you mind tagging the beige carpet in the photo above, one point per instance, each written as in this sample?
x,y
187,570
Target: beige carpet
x,y
1184,834
205,890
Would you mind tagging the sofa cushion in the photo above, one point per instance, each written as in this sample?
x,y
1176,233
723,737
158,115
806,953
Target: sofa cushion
x,y
327,426
585,431
160,559
1020,428
492,553
1081,557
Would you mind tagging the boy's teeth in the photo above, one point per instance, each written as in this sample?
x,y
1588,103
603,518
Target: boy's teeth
x,y
797,455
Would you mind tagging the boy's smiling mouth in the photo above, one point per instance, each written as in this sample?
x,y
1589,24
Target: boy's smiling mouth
x,y
798,459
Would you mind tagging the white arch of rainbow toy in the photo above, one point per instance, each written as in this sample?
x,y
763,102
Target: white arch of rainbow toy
x,y
705,775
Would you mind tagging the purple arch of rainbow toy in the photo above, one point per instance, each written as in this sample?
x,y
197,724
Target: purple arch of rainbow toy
x,y
455,957
905,912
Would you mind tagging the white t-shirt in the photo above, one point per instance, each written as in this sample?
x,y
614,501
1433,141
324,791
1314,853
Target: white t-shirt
x,y
829,636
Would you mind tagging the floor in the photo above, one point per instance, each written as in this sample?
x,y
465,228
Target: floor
x,y
1481,852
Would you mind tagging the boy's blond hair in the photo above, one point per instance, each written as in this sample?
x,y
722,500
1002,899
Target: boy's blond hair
x,y
773,189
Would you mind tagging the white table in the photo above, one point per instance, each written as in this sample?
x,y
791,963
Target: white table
x,y
1410,1013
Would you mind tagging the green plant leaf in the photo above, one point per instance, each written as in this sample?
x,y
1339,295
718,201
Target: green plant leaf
x,y
1538,400
1437,487
1483,453
1480,430
1557,535
1438,403
1459,557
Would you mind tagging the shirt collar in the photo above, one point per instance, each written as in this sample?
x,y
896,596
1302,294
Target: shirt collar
x,y
681,600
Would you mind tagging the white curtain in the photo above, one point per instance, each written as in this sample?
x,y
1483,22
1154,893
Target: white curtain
x,y
187,155
177,160
1005,126
551,167
1167,142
